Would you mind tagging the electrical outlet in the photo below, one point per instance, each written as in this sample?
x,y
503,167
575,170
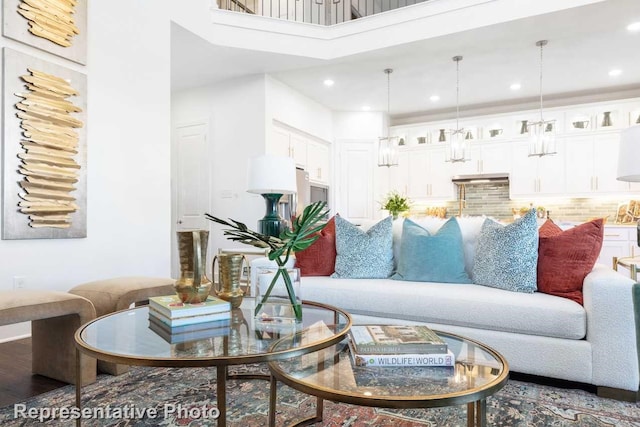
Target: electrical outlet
x,y
19,282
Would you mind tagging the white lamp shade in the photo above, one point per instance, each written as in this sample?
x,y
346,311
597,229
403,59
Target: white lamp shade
x,y
629,155
270,174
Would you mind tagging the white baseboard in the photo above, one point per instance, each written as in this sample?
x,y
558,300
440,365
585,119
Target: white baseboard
x,y
19,337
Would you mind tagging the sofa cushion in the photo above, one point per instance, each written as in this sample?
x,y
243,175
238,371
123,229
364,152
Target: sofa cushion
x,y
361,254
507,256
452,304
566,257
319,259
427,257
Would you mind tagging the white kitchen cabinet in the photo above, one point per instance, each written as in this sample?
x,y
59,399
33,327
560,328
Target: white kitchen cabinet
x,y
422,174
287,143
318,160
619,241
278,145
591,165
399,175
298,149
485,158
309,154
536,176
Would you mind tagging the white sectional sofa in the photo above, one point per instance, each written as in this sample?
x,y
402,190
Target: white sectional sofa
x,y
538,334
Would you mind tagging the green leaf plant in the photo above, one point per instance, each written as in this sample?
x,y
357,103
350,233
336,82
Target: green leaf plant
x,y
302,235
396,203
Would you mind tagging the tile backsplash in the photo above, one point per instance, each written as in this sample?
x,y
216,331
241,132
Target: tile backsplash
x,y
492,199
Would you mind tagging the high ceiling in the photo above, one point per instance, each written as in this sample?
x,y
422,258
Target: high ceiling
x,y
584,45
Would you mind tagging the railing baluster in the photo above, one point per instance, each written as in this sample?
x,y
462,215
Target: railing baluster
x,y
327,12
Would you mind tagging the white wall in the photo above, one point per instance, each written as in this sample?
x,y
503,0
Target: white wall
x,y
235,110
296,110
359,125
128,180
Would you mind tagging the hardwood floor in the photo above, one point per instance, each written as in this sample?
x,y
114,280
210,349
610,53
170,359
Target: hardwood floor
x,y
16,381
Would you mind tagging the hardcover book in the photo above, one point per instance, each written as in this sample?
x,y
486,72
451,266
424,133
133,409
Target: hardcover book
x,y
394,360
190,335
396,339
187,320
171,306
192,327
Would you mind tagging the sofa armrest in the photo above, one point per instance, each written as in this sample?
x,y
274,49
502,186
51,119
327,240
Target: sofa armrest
x,y
611,328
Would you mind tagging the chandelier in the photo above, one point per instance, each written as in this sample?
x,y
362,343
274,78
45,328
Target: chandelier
x,y
458,144
388,145
542,140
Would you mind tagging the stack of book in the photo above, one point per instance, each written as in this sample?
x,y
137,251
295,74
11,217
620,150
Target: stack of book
x,y
394,345
177,322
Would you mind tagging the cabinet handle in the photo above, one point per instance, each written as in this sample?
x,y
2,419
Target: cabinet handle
x,y
293,151
481,165
319,173
596,182
611,235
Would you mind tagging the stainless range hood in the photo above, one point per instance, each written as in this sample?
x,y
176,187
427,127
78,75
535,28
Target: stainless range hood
x,y
480,178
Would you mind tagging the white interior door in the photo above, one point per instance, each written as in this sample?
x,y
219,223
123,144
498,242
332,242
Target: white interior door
x,y
192,177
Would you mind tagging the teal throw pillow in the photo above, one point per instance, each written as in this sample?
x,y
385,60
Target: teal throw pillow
x,y
431,258
363,255
507,255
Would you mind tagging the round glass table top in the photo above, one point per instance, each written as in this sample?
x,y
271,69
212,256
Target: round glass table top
x,y
330,373
130,337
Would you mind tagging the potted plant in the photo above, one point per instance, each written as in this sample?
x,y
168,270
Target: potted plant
x,y
300,237
396,204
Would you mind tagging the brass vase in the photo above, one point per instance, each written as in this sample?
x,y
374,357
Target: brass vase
x,y
193,286
229,275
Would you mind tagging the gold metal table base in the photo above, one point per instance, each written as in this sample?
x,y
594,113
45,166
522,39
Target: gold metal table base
x,y
632,263
476,411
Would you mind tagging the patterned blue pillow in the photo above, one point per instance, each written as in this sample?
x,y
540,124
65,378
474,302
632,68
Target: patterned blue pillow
x,y
363,255
431,258
507,256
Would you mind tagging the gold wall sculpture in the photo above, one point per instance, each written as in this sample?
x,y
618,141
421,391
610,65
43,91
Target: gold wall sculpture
x,y
51,19
49,146
44,149
56,26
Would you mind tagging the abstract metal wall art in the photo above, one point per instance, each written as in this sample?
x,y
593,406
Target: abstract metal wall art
x,y
44,177
56,26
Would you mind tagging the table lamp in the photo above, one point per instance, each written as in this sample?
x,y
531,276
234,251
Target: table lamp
x,y
629,159
272,177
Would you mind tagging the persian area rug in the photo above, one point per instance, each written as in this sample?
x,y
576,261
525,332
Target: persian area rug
x,y
190,392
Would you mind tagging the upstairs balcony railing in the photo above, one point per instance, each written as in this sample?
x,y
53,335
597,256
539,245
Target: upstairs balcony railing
x,y
321,12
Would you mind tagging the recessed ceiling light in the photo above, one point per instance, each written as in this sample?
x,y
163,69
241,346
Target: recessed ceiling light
x,y
434,98
634,27
328,82
615,72
366,108
515,86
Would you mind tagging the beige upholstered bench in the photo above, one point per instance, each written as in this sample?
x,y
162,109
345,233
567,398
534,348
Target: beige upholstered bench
x,y
117,294
55,317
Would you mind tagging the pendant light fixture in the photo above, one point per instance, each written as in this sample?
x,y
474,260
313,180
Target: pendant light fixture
x,y
388,145
458,144
542,141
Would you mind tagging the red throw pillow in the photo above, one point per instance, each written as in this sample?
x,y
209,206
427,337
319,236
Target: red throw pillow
x,y
566,257
319,259
549,229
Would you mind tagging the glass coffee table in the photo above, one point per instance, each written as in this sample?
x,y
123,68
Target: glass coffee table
x,y
124,337
329,374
